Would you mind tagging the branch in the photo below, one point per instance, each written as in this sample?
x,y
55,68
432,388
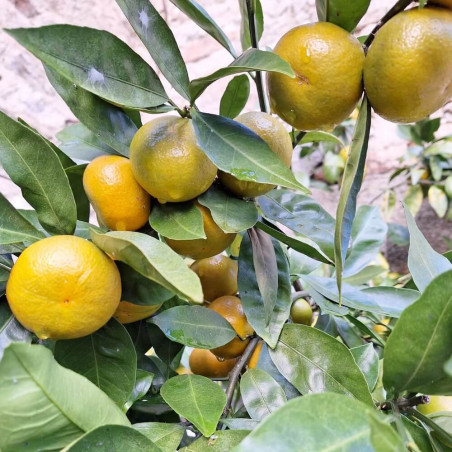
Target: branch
x,y
404,404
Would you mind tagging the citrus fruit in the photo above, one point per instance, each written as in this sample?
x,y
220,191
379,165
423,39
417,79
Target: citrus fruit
x,y
216,240
381,329
276,136
254,358
181,370
167,161
63,287
232,310
128,312
436,404
203,362
408,68
301,312
119,201
218,275
327,62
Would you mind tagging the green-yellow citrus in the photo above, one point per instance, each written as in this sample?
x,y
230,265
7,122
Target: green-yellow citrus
x,y
128,312
119,201
408,69
167,161
63,287
436,404
203,362
276,136
301,312
327,62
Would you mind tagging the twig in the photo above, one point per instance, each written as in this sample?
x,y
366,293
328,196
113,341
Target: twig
x,y
297,286
403,404
235,372
185,113
299,294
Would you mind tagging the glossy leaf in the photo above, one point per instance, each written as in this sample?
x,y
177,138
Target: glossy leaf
x,y
167,350
391,300
426,327
75,176
14,227
383,437
351,184
153,259
142,385
302,215
249,61
438,200
367,359
43,182
201,18
32,381
245,36
319,136
315,362
197,399
165,436
418,434
423,261
252,299
261,394
326,306
343,13
108,122
230,213
235,96
10,329
97,61
318,422
365,275
158,40
223,440
195,326
113,437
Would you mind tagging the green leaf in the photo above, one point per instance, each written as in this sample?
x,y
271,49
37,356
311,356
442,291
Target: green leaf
x,y
365,275
195,326
109,438
235,96
252,299
97,61
178,221
333,167
107,122
438,200
78,142
201,18
68,404
322,9
158,40
14,228
319,136
10,329
249,61
237,150
142,385
42,180
75,176
6,264
240,423
261,394
197,399
167,350
245,37
315,362
435,168
423,261
231,214
344,13
153,259
351,184
107,358
413,199
165,436
426,327
318,422
367,359
383,437
222,441
418,434
302,215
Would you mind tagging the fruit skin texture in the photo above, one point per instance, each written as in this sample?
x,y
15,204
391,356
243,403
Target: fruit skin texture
x,y
408,68
328,63
128,312
203,362
63,287
275,135
167,161
216,240
436,404
232,310
254,358
218,275
121,204
301,312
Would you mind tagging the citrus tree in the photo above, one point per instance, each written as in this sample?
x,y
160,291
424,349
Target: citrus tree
x,y
216,305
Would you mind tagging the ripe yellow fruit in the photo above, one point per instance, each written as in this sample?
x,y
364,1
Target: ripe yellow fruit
x,y
436,404
203,362
276,136
119,201
381,329
408,69
167,161
301,312
232,310
327,62
254,358
63,287
128,312
218,275
216,240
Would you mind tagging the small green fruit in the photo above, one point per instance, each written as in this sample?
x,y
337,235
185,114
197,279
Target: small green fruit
x,y
301,312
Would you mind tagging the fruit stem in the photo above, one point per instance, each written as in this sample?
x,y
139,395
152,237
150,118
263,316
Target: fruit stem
x,y
254,42
185,112
396,9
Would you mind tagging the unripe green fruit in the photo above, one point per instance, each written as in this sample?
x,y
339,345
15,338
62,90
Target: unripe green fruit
x,y
436,404
301,312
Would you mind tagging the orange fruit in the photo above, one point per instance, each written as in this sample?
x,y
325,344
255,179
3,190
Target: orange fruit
x,y
128,312
203,362
254,358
